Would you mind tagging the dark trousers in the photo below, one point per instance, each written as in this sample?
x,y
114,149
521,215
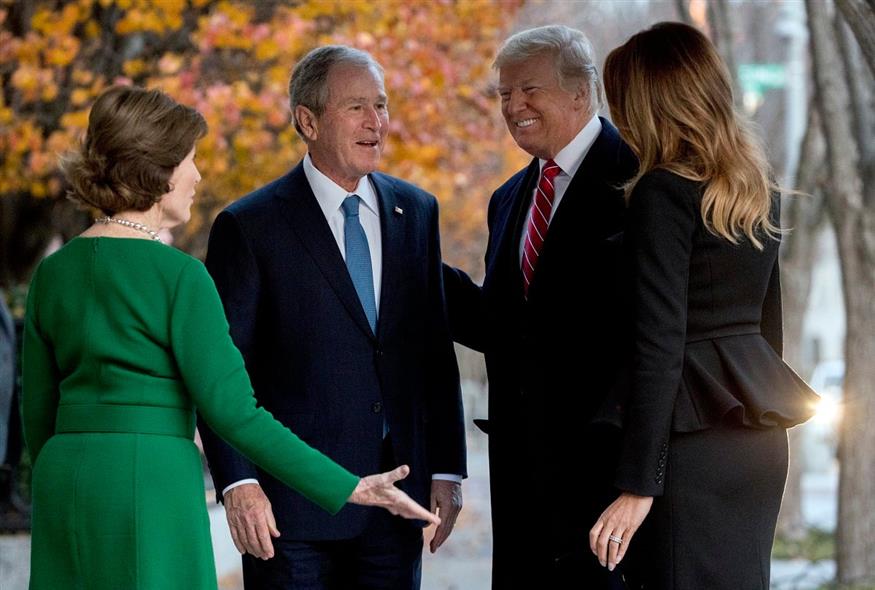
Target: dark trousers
x,y
387,555
547,545
527,567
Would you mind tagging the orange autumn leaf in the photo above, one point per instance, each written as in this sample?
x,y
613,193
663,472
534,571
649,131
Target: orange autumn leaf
x,y
231,59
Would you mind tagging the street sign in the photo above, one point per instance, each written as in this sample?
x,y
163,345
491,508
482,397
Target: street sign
x,y
760,77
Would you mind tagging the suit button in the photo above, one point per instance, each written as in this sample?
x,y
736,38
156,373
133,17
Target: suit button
x,y
378,352
377,407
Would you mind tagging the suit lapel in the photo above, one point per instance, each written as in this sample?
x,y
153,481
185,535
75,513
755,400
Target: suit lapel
x,y
309,224
592,208
590,191
509,224
392,233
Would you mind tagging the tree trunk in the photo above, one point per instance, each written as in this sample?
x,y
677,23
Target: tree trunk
x,y
860,89
720,23
683,10
855,540
854,221
803,215
860,15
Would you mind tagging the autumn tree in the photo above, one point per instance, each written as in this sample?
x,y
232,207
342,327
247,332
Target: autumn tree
x,y
231,60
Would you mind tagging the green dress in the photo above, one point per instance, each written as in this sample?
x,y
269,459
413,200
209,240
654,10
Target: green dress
x,y
124,338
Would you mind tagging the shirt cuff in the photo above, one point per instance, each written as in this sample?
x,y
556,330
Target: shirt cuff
x,y
238,483
444,477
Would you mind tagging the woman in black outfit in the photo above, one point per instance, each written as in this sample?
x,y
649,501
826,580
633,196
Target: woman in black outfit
x,y
709,398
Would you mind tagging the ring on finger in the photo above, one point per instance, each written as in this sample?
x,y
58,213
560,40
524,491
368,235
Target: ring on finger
x,y
615,539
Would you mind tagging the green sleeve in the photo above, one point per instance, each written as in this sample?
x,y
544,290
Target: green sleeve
x,y
39,400
214,374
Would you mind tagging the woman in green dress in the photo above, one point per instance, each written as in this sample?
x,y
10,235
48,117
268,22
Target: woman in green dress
x,y
125,338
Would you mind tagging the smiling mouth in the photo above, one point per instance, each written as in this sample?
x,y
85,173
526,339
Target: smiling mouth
x,y
367,143
525,123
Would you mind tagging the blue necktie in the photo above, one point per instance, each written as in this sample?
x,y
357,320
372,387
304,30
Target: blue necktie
x,y
358,258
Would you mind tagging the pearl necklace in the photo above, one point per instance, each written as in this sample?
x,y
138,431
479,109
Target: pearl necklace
x,y
131,224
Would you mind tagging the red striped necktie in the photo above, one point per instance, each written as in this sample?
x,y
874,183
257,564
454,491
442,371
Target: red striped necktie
x,y
539,221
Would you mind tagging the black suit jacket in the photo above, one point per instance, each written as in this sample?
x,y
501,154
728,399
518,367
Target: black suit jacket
x,y
707,336
313,359
551,361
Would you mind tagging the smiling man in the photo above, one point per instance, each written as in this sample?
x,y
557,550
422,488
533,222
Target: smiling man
x,y
548,316
331,280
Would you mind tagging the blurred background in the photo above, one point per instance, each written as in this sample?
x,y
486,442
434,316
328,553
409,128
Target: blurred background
x,y
803,72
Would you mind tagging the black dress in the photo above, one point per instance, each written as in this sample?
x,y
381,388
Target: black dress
x,y
708,397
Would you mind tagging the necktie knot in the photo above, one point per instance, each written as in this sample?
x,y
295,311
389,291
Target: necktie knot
x,y
350,206
551,170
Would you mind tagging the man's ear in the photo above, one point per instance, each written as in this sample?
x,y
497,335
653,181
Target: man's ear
x,y
581,95
307,121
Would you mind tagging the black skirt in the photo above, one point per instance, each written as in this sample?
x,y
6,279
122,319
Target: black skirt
x,y
715,524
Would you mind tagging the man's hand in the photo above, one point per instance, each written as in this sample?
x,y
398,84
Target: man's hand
x,y
446,502
250,519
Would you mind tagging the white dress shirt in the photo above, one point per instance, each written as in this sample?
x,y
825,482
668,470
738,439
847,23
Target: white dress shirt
x,y
568,159
330,197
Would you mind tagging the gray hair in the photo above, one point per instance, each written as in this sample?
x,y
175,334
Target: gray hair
x,y
574,58
308,85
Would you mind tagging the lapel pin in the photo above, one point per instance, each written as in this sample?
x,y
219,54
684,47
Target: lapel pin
x,y
399,211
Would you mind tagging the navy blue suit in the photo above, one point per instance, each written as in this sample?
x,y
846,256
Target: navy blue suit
x,y
551,361
313,359
7,379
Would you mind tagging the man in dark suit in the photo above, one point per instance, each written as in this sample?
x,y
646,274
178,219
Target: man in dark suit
x,y
331,280
7,380
14,513
548,315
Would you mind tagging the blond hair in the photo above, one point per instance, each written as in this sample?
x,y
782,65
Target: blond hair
x,y
670,96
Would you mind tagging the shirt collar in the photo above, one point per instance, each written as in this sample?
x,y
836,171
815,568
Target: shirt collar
x,y
330,195
571,156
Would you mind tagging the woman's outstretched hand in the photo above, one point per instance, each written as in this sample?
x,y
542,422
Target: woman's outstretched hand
x,y
379,490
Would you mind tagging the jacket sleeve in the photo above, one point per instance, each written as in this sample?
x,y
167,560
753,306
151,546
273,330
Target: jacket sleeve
x,y
662,220
464,308
40,379
446,423
231,264
772,321
213,371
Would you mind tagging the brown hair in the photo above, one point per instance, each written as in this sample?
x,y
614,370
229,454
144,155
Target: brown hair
x,y
135,139
670,95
